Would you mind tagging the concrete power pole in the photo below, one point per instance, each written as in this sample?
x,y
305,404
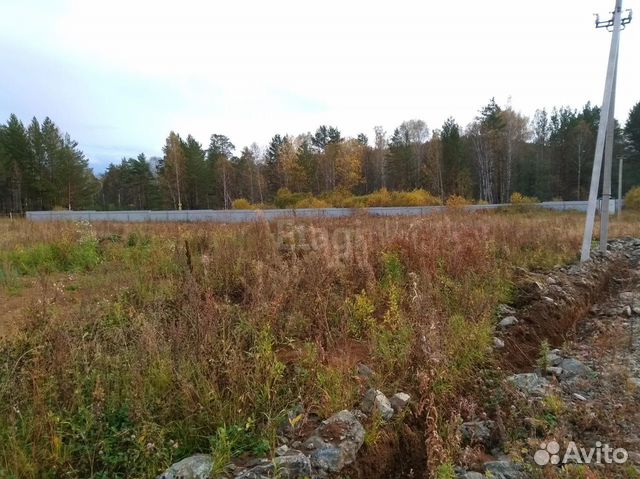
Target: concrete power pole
x,y
605,136
608,160
620,163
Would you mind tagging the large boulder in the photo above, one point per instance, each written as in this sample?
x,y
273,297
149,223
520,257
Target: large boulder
x,y
335,443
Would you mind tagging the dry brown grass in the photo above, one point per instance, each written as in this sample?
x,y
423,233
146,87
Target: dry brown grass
x,y
182,334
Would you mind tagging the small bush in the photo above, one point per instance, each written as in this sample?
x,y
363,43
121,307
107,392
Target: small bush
x,y
312,202
543,356
520,199
338,198
241,204
286,199
360,310
354,202
382,197
446,471
632,199
455,201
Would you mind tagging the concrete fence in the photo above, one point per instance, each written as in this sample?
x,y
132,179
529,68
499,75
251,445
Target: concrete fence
x,y
243,216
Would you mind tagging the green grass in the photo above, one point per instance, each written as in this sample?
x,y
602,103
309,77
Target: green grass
x,y
55,257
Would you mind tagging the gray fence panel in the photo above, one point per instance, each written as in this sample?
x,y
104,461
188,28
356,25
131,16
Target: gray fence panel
x,y
244,216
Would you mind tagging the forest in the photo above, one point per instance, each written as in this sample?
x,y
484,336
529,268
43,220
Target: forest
x,y
548,156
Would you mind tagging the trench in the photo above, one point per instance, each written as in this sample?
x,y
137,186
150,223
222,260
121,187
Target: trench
x,y
549,306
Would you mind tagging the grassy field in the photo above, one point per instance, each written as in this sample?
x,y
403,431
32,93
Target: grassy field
x,y
125,347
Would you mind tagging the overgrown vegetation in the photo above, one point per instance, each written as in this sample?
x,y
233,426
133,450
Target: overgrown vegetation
x,y
137,345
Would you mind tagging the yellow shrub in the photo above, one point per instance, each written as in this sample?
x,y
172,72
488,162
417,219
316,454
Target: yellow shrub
x,y
353,202
336,198
520,199
456,201
418,197
241,204
312,202
632,199
382,197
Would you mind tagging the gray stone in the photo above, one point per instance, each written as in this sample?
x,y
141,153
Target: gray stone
x,y
327,460
335,443
473,475
627,311
572,367
529,383
508,321
282,450
636,310
579,397
505,310
553,358
192,467
634,457
359,415
293,465
478,432
399,401
376,401
365,371
504,470
627,296
498,343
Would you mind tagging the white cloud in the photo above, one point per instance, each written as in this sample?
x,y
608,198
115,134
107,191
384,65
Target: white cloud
x,y
250,69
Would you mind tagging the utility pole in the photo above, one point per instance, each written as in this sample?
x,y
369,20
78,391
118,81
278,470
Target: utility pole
x,y
605,135
608,160
620,162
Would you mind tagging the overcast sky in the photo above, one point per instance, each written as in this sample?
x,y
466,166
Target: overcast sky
x,y
118,75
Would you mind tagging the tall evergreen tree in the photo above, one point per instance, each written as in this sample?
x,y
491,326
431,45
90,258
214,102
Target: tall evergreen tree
x,y
631,175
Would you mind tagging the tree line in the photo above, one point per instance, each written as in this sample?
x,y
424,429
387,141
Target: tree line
x,y
501,151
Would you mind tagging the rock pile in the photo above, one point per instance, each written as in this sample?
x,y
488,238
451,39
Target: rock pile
x,y
332,446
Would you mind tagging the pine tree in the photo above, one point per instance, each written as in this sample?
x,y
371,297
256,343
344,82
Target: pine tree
x,y
631,175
